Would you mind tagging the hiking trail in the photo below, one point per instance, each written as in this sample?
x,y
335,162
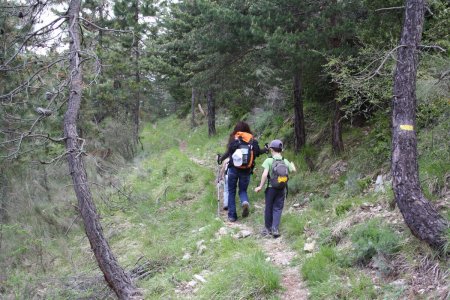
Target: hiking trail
x,y
276,250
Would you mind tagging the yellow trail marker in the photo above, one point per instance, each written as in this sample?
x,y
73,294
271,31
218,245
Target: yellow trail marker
x,y
407,127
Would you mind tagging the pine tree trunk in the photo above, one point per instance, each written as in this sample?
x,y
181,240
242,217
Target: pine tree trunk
x,y
193,124
420,216
137,103
336,126
299,119
336,129
117,279
211,113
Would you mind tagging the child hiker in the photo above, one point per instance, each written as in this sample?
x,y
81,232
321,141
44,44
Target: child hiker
x,y
276,168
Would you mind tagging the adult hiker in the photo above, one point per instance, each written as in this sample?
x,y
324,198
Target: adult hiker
x,y
276,169
242,149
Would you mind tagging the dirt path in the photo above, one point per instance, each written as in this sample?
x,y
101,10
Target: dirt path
x,y
281,256
276,250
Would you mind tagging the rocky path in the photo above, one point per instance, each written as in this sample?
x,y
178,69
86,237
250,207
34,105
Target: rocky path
x,y
280,254
276,250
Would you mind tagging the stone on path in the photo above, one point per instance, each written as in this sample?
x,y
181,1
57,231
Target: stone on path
x,y
199,278
379,184
309,247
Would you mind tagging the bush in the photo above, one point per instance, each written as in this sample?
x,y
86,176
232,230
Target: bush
x,y
373,238
343,208
317,268
319,203
293,224
295,185
428,113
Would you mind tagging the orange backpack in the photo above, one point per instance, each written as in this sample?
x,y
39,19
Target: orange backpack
x,y
244,155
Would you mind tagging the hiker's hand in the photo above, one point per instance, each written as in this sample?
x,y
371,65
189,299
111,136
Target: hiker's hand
x,y
257,189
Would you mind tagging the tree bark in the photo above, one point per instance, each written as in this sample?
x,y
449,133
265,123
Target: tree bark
x,y
117,279
211,113
336,126
336,129
137,103
421,217
299,118
193,123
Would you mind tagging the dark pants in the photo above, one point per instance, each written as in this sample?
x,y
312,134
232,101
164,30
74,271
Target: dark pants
x,y
274,207
241,178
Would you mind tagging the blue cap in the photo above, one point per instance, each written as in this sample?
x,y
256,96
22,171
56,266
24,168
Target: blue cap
x,y
276,144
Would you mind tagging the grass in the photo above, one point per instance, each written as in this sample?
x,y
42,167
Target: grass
x,y
372,238
247,277
319,267
166,203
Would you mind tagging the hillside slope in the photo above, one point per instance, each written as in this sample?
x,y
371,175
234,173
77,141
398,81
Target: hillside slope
x,y
341,235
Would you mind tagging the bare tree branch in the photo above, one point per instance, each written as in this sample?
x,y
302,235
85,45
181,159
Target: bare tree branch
x,y
29,36
390,8
436,47
28,81
378,69
105,29
56,159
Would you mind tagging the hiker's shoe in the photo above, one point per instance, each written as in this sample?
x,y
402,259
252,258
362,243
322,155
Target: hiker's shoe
x,y
266,232
225,208
231,219
245,209
275,233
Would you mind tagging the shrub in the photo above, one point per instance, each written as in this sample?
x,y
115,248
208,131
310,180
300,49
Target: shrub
x,y
319,203
343,208
295,185
373,238
317,268
293,224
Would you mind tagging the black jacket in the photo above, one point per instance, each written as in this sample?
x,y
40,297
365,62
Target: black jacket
x,y
235,144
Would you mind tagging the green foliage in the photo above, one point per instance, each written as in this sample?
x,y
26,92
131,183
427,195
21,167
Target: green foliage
x,y
319,203
364,183
373,238
318,268
295,184
342,208
293,224
428,114
247,277
434,151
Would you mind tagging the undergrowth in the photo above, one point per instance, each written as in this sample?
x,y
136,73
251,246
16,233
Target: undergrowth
x,y
161,215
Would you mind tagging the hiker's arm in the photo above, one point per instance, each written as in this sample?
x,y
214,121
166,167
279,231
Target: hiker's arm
x,y
258,150
263,180
223,156
292,167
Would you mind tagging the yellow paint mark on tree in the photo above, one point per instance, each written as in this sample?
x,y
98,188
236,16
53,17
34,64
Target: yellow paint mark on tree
x,y
407,127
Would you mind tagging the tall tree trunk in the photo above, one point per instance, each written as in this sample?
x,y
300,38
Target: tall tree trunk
x,y
299,119
211,113
137,103
3,216
117,279
193,123
336,129
336,126
420,216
